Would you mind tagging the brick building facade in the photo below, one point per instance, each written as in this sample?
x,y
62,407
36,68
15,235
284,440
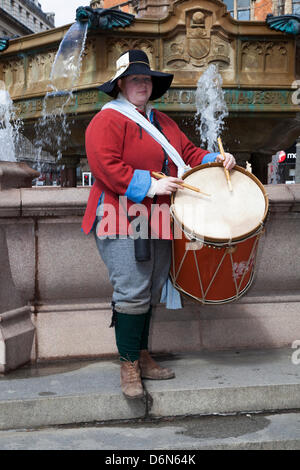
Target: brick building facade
x,y
240,9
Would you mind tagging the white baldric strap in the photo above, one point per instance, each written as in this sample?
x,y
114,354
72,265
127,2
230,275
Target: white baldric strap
x,y
170,296
127,109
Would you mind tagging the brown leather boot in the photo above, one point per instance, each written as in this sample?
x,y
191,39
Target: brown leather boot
x,y
131,379
151,370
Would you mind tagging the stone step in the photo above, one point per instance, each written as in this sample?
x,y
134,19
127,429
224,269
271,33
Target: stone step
x,y
206,383
182,436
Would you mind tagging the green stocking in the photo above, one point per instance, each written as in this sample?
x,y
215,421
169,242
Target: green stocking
x,y
145,335
129,331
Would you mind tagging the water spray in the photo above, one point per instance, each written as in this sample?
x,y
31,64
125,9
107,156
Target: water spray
x,y
211,107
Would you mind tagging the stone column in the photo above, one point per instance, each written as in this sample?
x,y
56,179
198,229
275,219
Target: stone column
x,y
288,8
297,172
68,177
153,8
16,327
259,163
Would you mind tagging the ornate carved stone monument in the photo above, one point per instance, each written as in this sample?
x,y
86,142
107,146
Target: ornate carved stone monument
x,y
257,64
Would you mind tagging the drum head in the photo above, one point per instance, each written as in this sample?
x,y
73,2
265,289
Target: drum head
x,y
225,215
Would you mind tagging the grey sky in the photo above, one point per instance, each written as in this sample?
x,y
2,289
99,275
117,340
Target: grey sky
x,y
64,9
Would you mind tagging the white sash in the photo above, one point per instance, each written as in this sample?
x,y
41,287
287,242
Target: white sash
x,y
127,109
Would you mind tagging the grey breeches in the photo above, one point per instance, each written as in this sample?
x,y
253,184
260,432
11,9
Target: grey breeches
x,y
136,285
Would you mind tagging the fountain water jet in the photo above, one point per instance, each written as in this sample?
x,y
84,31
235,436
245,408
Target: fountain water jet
x,y
52,129
12,174
68,58
9,127
211,107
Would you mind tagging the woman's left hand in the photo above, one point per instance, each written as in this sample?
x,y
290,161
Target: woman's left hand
x,y
229,161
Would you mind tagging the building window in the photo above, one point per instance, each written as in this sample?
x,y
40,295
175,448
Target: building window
x,y
243,10
296,7
230,6
281,4
239,9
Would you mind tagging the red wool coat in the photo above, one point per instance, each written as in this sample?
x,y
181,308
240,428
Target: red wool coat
x,y
121,156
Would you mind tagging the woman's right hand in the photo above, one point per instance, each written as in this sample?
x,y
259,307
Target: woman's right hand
x,y
167,186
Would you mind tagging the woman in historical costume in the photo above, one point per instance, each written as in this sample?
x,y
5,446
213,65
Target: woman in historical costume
x,y
126,141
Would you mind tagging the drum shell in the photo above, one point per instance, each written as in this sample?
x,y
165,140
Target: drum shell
x,y
213,274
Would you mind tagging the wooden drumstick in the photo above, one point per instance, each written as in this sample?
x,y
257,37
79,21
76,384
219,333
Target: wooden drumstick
x,y
227,174
185,185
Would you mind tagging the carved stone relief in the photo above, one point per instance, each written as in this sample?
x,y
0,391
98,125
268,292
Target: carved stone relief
x,y
219,52
198,46
277,57
175,53
116,46
89,56
264,56
39,67
198,36
13,72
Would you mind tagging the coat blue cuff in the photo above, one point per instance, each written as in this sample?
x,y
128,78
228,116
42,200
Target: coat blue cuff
x,y
139,186
210,157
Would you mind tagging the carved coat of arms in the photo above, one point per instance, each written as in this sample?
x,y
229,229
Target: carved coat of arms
x,y
199,46
197,38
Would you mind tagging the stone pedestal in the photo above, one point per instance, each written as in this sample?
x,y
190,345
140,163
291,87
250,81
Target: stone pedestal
x,y
16,328
16,175
68,175
70,290
16,338
48,261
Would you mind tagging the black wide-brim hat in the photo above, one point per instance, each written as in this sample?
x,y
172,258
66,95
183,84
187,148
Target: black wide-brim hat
x,y
136,62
